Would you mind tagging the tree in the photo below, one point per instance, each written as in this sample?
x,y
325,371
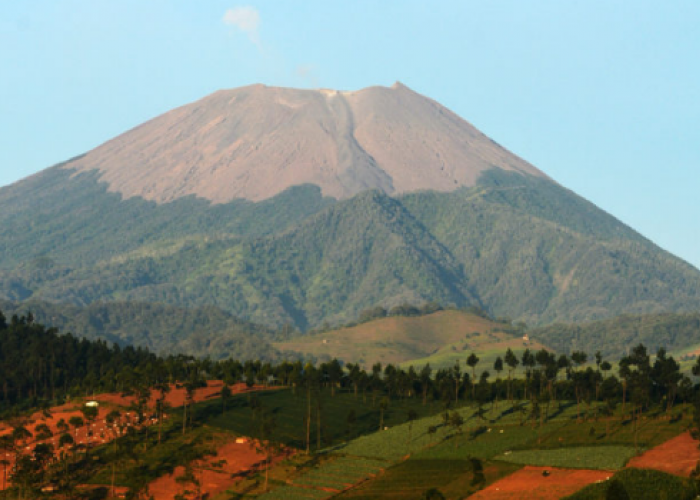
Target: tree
x,y
456,373
498,368
65,439
512,362
335,373
383,405
579,358
528,361
6,446
189,401
472,361
666,375
43,432
457,422
433,494
351,419
425,381
76,422
225,396
90,413
638,370
410,417
266,428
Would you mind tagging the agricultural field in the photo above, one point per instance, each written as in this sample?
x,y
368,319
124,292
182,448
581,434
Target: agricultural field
x,y
580,457
410,479
640,484
290,411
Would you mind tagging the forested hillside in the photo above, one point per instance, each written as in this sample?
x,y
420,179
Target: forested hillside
x,y
514,245
200,332
615,337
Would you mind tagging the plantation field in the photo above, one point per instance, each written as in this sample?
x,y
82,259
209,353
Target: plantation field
x,y
583,457
327,479
653,429
290,412
410,479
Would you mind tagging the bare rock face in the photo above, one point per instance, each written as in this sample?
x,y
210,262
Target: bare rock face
x,y
254,142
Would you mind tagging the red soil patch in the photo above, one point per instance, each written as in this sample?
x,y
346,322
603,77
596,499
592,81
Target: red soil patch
x,y
176,396
677,456
101,432
529,484
231,464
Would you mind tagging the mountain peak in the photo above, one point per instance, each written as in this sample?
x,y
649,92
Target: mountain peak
x,y
256,141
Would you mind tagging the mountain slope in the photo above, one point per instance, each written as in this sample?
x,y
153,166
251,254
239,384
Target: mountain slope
x,y
350,256
164,214
535,251
255,142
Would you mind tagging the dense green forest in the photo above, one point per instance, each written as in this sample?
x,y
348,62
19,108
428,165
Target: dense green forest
x,y
614,337
163,329
513,245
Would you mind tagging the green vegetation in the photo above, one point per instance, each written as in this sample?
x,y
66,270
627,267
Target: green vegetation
x,y
640,484
200,332
439,338
594,457
291,411
412,478
612,337
513,245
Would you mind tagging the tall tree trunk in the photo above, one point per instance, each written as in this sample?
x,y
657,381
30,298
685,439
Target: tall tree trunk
x,y
318,423
308,421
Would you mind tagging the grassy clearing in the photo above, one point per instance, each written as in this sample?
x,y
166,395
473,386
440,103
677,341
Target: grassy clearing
x,y
399,340
592,457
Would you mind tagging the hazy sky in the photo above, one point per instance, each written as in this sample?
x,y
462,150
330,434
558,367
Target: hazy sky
x,y
600,95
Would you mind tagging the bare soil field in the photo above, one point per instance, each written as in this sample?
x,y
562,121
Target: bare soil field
x,y
529,483
232,462
677,456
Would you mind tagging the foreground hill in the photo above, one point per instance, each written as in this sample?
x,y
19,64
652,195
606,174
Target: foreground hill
x,y
174,212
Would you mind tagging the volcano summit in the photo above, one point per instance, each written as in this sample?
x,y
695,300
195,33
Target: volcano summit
x,y
305,207
254,142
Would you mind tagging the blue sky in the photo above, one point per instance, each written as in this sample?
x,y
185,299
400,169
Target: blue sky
x,y
600,95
